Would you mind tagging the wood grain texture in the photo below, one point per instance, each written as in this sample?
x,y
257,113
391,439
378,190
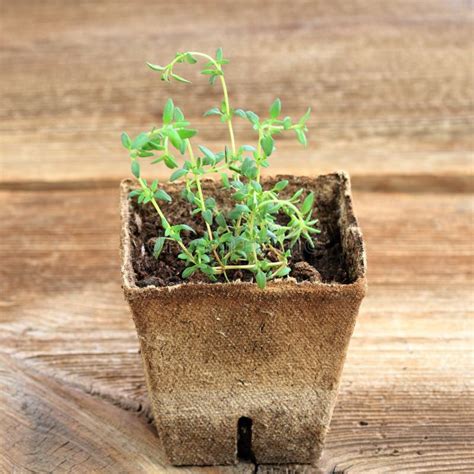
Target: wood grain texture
x,y
406,402
54,428
391,85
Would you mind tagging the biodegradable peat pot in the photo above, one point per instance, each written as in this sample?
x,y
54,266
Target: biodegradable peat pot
x,y
227,358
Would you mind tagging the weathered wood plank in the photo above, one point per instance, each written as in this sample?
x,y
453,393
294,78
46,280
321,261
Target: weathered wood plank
x,y
390,86
49,427
406,404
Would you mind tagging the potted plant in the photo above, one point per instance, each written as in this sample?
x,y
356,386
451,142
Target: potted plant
x,y
244,290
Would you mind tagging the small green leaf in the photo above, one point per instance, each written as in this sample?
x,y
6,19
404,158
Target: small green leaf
x,y
178,174
135,169
170,161
155,67
162,195
175,139
178,114
221,155
210,203
207,161
240,113
275,109
154,145
180,79
140,141
238,210
168,111
207,216
207,270
213,111
248,148
305,117
248,168
267,144
145,154
207,152
252,117
189,271
301,137
158,247
281,185
219,54
181,227
190,58
256,186
296,196
189,196
261,279
282,272
157,160
187,132
126,142
220,219
225,181
239,196
286,123
308,203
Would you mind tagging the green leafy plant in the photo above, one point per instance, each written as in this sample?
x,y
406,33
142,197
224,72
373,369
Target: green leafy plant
x,y
247,237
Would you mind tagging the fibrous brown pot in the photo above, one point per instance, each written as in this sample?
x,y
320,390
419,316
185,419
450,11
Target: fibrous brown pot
x,y
223,359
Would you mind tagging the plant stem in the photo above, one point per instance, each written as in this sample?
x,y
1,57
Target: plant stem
x,y
278,252
163,218
285,203
224,89
259,153
252,230
277,270
203,204
229,121
199,188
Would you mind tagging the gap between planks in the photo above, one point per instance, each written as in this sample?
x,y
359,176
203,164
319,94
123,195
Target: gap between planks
x,y
409,183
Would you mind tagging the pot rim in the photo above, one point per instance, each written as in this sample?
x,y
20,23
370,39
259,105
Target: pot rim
x,y
277,285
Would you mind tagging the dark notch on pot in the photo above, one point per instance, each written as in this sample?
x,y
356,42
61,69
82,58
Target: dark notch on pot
x,y
244,439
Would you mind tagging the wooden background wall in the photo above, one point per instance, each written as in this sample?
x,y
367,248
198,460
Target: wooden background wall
x,y
390,83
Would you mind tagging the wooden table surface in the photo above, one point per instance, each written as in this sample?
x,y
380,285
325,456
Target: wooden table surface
x,y
391,86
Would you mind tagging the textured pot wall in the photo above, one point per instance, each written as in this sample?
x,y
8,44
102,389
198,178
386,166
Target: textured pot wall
x,y
214,353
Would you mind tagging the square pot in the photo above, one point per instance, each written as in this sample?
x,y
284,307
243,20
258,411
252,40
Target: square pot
x,y
233,368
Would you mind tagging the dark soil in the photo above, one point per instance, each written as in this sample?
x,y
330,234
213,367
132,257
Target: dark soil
x,y
323,262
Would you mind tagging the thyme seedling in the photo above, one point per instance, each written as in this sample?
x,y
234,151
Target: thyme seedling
x,y
247,237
